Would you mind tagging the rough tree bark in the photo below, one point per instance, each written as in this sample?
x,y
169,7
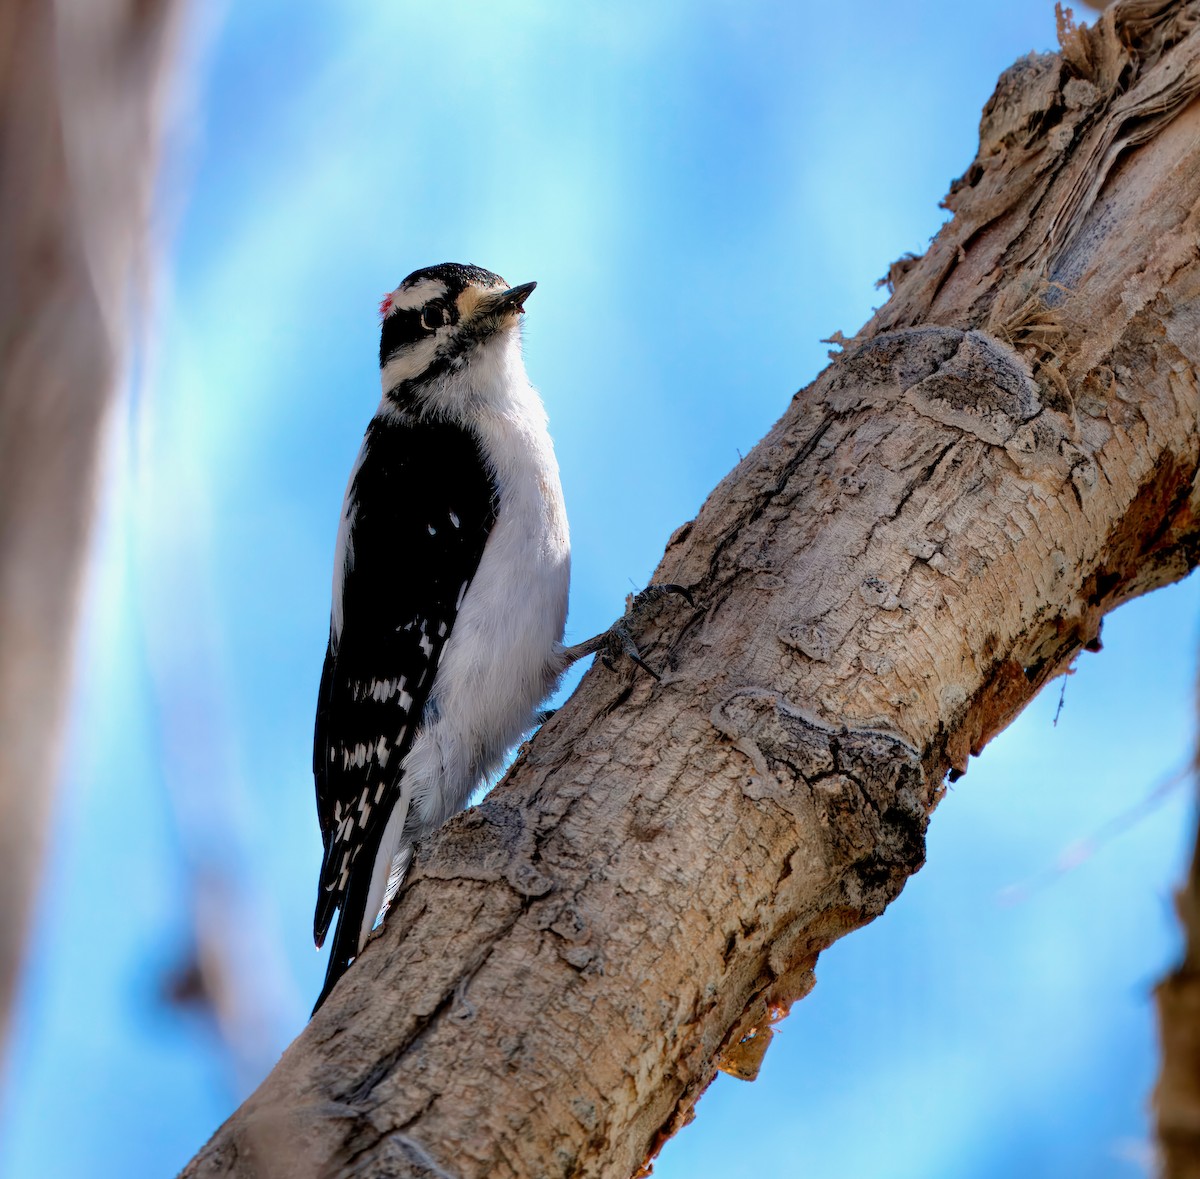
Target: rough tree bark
x,y
932,531
78,86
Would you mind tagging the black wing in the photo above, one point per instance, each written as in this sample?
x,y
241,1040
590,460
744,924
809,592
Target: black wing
x,y
420,507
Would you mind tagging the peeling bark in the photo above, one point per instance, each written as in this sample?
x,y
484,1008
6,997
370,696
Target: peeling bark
x,y
932,531
78,83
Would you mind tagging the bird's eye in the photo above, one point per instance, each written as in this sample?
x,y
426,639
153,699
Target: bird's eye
x,y
433,317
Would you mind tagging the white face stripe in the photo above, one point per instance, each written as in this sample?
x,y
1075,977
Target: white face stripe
x,y
409,362
410,298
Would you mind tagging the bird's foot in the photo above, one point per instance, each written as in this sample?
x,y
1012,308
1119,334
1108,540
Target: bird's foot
x,y
618,639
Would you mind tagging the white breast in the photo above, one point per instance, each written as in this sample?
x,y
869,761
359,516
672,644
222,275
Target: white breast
x,y
500,661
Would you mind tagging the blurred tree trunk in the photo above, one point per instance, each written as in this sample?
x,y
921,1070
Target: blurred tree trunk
x,y
932,531
78,126
1177,1098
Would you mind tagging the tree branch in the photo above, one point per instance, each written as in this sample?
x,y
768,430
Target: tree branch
x,y
932,531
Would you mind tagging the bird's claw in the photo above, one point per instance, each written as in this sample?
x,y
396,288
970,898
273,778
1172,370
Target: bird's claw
x,y
653,593
618,641
619,638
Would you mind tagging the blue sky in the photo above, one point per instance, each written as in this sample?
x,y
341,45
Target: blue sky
x,y
703,191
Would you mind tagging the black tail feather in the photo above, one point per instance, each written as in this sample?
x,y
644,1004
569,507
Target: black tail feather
x,y
327,903
345,937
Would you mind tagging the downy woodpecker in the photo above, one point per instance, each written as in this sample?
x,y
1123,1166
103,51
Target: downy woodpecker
x,y
449,591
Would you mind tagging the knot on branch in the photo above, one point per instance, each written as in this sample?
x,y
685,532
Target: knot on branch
x,y
969,380
985,389
858,797
865,788
492,842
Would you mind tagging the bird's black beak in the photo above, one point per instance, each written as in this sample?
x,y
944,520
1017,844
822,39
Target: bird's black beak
x,y
511,300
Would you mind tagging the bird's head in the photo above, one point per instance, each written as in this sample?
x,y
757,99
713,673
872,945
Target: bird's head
x,y
438,320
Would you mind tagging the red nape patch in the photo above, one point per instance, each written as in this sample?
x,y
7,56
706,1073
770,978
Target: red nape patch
x,y
385,305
